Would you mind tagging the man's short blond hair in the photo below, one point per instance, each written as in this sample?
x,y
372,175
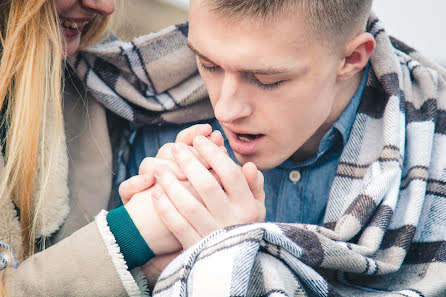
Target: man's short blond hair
x,y
329,20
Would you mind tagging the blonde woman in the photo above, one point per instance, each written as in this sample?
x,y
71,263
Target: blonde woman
x,y
56,161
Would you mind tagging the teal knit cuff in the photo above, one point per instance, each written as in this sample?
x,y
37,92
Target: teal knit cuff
x,y
133,247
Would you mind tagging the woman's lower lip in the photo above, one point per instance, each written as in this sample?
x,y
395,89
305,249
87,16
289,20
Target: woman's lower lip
x,y
69,32
242,147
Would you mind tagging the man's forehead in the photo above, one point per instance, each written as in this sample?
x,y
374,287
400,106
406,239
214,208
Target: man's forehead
x,y
208,30
273,48
268,65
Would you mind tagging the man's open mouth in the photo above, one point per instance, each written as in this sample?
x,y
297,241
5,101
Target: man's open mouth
x,y
248,137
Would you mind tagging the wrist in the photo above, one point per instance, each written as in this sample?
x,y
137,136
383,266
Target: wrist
x,y
132,245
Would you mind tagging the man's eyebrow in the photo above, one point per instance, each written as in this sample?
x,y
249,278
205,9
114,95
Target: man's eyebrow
x,y
267,71
261,71
189,45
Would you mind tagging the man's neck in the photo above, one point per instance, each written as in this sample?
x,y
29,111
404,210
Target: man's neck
x,y
344,94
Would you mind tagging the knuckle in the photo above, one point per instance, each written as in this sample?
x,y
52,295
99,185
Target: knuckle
x,y
182,135
235,174
186,158
125,188
165,151
162,211
254,214
206,187
178,227
145,165
166,147
190,210
122,190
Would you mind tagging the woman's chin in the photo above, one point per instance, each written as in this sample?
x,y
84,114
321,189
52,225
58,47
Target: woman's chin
x,y
71,46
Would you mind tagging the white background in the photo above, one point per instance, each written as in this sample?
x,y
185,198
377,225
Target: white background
x,y
419,23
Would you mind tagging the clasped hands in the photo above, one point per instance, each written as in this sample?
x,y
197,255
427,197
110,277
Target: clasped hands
x,y
190,189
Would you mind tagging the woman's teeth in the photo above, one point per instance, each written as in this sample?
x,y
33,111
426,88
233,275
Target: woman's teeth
x,y
72,25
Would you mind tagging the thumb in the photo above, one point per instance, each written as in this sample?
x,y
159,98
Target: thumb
x,y
133,185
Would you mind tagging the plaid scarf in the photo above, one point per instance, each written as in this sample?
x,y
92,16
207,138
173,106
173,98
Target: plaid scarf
x,y
384,230
147,80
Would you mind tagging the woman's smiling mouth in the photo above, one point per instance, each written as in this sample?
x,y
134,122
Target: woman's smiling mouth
x,y
72,27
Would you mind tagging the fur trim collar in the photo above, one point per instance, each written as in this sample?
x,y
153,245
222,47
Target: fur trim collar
x,y
54,208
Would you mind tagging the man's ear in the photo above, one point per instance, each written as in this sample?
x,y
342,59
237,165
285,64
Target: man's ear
x,y
356,55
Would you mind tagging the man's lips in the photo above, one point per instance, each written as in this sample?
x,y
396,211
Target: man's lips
x,y
244,143
247,137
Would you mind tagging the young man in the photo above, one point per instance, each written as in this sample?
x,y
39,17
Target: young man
x,y
348,126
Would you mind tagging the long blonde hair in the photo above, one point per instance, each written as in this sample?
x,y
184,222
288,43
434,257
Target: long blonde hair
x,y
31,72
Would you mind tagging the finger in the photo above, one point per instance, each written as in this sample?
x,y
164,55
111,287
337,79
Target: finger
x,y
217,178
217,138
202,180
229,172
173,220
133,185
255,180
199,158
187,205
149,164
165,152
187,136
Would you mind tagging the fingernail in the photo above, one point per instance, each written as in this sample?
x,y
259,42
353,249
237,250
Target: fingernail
x,y
224,149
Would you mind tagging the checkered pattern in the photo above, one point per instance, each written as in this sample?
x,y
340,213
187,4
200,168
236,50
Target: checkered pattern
x,y
385,225
146,80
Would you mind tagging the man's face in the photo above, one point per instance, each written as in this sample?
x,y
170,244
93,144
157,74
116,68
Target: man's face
x,y
272,87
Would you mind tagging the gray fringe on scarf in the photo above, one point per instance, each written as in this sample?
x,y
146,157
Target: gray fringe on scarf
x,y
384,230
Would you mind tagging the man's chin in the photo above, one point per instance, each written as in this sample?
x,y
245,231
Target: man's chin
x,y
261,162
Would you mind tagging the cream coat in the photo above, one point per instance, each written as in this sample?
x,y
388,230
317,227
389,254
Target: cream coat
x,y
85,260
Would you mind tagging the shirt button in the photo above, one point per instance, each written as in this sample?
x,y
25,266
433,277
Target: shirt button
x,y
294,176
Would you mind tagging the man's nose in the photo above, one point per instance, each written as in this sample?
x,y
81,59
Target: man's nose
x,y
232,104
103,7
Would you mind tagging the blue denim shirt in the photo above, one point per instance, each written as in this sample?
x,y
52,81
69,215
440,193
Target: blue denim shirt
x,y
295,192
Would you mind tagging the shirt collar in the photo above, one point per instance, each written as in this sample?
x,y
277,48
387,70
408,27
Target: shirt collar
x,y
344,123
